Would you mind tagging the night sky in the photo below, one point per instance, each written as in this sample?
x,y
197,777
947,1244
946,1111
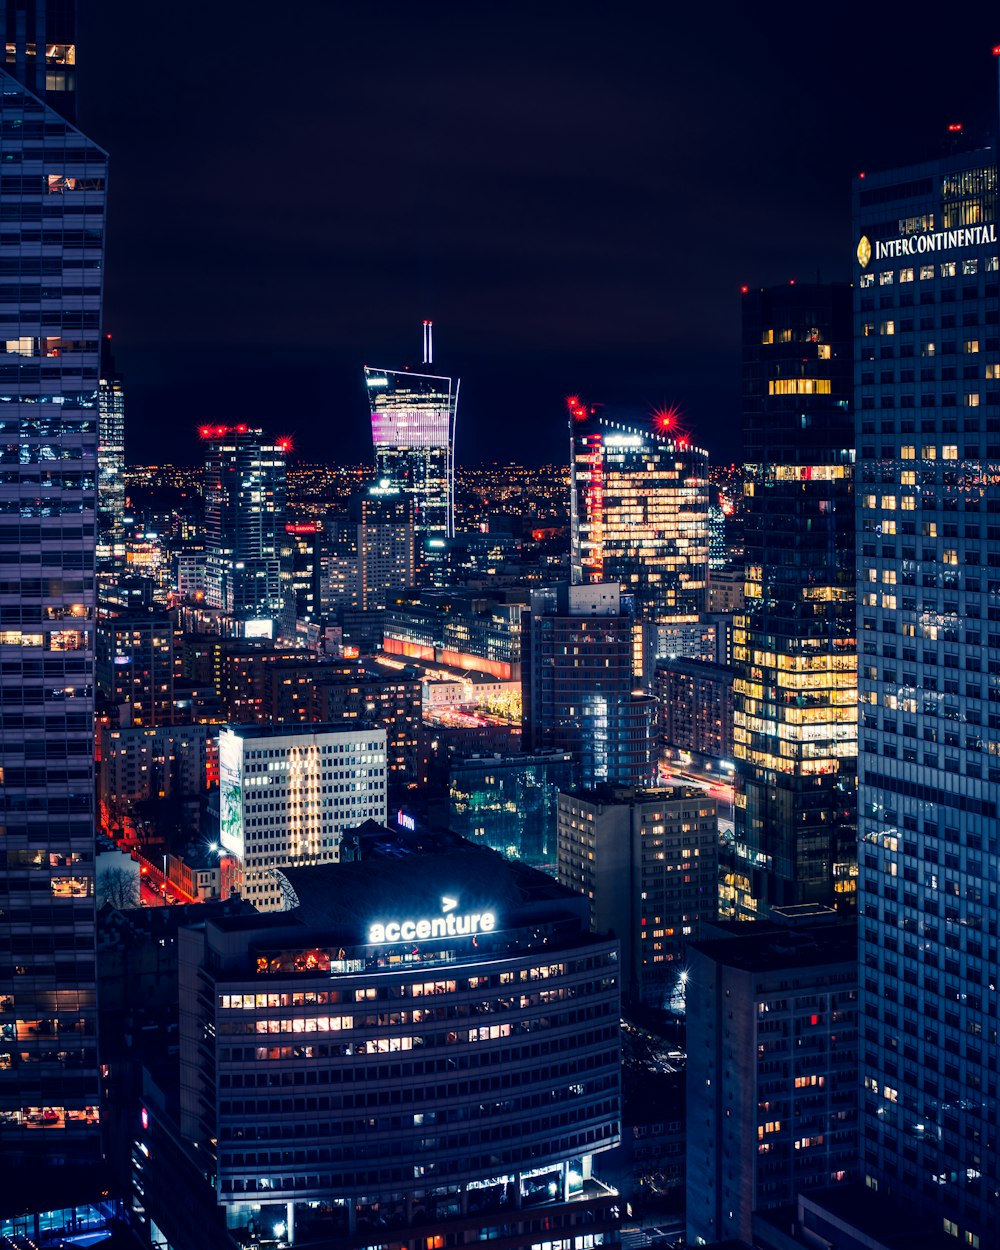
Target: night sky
x,y
574,193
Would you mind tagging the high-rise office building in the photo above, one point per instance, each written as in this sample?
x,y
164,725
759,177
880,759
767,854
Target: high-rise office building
x,y
40,47
287,794
794,651
578,685
927,369
110,464
244,521
639,517
413,432
386,558
52,202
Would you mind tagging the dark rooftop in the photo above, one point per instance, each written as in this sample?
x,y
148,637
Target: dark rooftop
x,y
762,945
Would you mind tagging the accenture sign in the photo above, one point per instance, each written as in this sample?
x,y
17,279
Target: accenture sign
x,y
448,924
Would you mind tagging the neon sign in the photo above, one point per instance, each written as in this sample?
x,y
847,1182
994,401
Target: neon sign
x,y
421,928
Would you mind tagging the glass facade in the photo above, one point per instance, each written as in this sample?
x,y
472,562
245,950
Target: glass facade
x,y
639,510
578,685
244,521
413,432
927,370
794,648
510,803
52,200
110,465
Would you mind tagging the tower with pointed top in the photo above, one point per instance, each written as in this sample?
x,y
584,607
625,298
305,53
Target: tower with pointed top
x,y
413,432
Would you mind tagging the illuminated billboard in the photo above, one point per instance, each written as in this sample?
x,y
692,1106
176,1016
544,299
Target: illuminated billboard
x,y
231,793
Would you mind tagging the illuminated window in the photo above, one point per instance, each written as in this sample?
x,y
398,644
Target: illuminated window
x,y
972,399
926,271
887,327
927,349
993,371
970,346
767,338
906,275
908,452
970,266
949,452
799,386
885,278
947,269
929,452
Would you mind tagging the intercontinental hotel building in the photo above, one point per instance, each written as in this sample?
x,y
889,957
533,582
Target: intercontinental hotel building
x,y
927,378
423,1052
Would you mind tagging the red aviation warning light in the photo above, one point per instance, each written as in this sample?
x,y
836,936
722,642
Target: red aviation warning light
x,y
954,128
285,443
577,409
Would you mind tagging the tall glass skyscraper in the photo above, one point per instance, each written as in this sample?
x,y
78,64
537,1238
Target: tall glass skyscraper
x,y
927,373
52,202
110,464
413,432
639,511
795,688
244,521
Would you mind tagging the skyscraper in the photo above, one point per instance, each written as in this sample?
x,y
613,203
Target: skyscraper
x,y
927,369
413,432
795,691
40,44
52,199
244,521
578,685
110,464
384,517
639,513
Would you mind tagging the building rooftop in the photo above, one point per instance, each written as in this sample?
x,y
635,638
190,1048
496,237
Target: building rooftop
x,y
297,730
765,946
609,795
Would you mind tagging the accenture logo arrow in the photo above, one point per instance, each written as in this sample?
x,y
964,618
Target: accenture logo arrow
x,y
448,903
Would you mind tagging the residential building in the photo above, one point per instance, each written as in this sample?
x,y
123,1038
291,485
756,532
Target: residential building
x,y
136,667
647,860
695,706
578,684
772,1067
385,543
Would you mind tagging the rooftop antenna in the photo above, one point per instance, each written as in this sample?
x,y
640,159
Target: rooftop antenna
x,y
429,353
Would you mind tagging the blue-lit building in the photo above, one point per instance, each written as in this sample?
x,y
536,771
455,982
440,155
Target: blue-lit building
x,y
510,803
52,205
927,374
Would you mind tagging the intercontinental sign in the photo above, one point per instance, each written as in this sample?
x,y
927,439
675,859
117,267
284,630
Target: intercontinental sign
x,y
447,925
932,241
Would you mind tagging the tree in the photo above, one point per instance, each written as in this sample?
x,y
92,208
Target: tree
x,y
119,887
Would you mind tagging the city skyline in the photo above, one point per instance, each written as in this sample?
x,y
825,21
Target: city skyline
x,y
582,224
